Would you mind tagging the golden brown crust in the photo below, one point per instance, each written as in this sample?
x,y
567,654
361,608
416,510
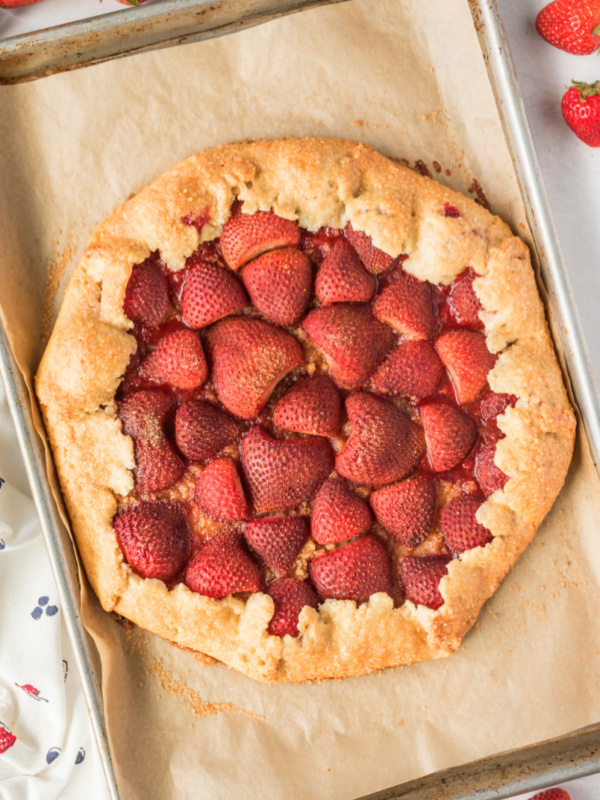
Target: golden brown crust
x,y
318,182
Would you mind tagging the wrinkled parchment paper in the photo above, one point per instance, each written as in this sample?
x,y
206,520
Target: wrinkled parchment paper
x,y
407,77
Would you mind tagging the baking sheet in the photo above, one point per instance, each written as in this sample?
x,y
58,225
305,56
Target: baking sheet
x,y
410,80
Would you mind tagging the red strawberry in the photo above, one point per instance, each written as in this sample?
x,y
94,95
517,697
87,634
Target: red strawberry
x,y
219,493
552,794
280,284
450,435
463,303
342,277
177,361
492,405
155,538
221,567
354,571
406,509
571,25
412,369
277,541
246,236
385,444
202,430
16,3
459,526
338,513
374,259
420,578
249,358
581,110
467,359
289,596
353,341
489,476
7,738
313,405
450,210
406,305
143,414
147,295
210,293
283,474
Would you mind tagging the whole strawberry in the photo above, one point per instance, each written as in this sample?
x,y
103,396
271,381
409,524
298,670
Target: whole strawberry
x,y
18,3
571,25
552,794
581,110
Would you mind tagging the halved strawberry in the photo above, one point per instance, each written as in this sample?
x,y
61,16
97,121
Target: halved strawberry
x,y
155,538
463,303
249,358
277,541
552,794
353,341
374,259
246,236
412,369
342,278
450,435
283,474
338,513
406,509
467,359
384,445
143,414
420,579
203,430
289,596
147,295
493,404
489,477
177,360
222,566
459,526
406,304
313,405
354,571
280,284
210,293
219,493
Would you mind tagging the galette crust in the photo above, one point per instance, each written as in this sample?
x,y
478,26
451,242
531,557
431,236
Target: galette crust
x,y
317,182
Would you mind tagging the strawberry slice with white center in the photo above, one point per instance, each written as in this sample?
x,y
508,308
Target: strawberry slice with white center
x,y
354,571
210,293
412,369
280,284
277,541
219,493
246,236
489,477
467,359
420,579
342,277
406,304
450,435
222,567
406,509
374,259
249,359
338,514
313,405
460,527
289,597
147,295
177,361
202,430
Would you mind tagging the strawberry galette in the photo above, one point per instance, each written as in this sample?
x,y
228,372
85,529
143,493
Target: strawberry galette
x,y
305,409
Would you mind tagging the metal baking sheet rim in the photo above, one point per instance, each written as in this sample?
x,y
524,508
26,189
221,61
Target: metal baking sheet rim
x,y
527,769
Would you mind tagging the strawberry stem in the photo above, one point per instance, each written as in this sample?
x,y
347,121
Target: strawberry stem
x,y
596,31
587,89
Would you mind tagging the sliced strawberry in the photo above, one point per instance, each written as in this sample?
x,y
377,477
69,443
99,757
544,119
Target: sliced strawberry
x,y
420,578
353,341
249,358
280,284
283,474
459,526
342,277
313,405
463,303
177,360
384,445
219,493
374,259
202,430
155,538
492,405
406,509
246,236
209,294
552,794
467,359
354,571
406,304
412,369
144,414
289,596
277,541
338,513
489,477
222,566
450,435
147,295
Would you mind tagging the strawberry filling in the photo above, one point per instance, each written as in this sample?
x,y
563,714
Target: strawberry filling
x,y
308,419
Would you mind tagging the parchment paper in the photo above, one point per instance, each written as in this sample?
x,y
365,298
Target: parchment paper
x,y
409,79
